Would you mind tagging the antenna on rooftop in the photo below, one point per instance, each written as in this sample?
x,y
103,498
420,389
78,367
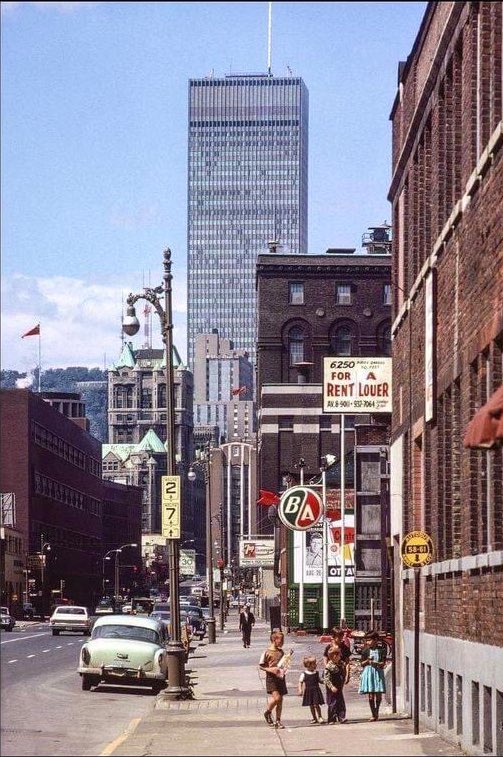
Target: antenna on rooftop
x,y
269,38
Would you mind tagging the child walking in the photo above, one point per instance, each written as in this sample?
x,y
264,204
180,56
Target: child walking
x,y
373,660
309,689
270,662
334,678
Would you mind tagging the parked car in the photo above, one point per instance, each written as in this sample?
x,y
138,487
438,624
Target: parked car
x,y
70,618
7,622
127,609
127,650
186,630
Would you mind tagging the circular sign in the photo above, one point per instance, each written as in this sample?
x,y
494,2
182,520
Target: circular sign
x,y
300,508
416,549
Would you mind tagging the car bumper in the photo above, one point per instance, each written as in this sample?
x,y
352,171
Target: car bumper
x,y
118,673
84,628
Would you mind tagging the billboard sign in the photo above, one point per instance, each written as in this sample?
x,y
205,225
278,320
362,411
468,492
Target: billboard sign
x,y
357,385
312,565
256,553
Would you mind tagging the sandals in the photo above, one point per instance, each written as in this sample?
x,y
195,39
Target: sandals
x,y
278,724
268,718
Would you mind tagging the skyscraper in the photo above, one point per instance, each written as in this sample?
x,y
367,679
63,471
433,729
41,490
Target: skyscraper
x,y
247,185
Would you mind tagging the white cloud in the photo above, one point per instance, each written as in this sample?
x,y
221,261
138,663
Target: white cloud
x,y
80,321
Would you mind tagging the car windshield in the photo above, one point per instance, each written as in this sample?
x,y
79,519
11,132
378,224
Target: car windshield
x,y
132,633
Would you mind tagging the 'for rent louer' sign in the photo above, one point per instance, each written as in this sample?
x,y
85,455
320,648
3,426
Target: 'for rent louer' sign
x,y
357,385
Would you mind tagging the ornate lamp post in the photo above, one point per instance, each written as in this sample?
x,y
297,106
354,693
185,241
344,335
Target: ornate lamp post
x,y
176,655
44,547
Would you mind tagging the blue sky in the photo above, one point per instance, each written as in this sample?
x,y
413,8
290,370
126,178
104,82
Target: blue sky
x,y
94,146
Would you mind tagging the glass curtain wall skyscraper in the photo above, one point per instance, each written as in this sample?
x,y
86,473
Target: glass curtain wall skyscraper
x,y
247,185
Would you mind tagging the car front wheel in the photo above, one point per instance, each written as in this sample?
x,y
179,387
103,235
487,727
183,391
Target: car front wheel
x,y
88,681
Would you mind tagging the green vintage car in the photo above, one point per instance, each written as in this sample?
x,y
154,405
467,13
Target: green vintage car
x,y
122,650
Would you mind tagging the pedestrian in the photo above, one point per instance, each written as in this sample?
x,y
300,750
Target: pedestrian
x,y
334,678
309,689
338,636
246,623
275,677
373,660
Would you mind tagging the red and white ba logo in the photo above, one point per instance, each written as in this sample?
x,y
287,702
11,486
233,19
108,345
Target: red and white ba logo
x,y
300,508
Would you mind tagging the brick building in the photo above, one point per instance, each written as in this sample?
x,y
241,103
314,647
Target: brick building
x,y
311,307
52,467
447,197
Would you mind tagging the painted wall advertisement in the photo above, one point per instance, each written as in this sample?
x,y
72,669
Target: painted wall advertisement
x,y
313,552
357,385
256,553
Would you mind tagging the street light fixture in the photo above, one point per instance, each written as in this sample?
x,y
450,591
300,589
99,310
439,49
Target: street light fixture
x,y
191,475
177,686
44,546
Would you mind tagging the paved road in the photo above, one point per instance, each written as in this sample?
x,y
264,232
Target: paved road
x,y
45,711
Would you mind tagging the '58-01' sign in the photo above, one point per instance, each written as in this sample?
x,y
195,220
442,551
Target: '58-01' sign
x,y
300,508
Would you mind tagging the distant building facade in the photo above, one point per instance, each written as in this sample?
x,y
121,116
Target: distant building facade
x,y
247,185
52,466
446,192
223,388
311,307
136,452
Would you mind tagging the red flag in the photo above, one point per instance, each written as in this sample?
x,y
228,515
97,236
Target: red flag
x,y
268,498
241,390
35,331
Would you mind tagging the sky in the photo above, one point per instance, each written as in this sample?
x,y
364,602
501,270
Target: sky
x,y
94,147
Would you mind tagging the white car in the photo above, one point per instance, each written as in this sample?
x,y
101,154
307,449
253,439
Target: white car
x,y
127,649
6,619
70,618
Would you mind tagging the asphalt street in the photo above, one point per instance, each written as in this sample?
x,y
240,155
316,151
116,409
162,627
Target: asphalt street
x,y
45,711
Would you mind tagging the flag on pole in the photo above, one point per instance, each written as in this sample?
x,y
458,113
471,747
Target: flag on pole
x,y
240,390
35,331
268,498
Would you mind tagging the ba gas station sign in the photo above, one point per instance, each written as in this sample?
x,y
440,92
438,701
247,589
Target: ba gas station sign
x,y
300,508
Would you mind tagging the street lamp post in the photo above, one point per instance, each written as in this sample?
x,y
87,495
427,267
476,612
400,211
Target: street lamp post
x,y
44,546
211,621
176,654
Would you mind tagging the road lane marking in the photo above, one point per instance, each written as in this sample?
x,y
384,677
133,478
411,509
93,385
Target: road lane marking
x,y
29,655
70,643
59,647
118,741
24,638
46,650
11,661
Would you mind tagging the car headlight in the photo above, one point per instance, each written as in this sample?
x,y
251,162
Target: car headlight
x,y
86,655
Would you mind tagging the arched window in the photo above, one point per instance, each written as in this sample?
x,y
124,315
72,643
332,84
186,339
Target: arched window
x,y
342,340
161,398
384,338
296,345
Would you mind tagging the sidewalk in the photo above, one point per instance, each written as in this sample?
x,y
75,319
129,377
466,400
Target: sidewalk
x,y
226,717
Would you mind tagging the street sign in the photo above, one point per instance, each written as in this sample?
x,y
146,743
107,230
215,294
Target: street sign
x,y
300,508
170,505
416,549
187,562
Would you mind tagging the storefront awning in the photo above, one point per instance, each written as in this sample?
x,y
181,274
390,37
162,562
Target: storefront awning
x,y
485,430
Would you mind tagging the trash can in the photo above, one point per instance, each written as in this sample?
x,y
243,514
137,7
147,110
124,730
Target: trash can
x,y
275,617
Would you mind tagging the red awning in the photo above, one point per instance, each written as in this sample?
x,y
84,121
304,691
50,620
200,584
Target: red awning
x,y
485,430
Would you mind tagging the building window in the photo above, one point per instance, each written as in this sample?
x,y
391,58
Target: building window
x,y
296,345
387,294
296,293
343,294
384,338
342,341
285,423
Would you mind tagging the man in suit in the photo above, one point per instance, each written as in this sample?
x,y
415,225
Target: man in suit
x,y
246,623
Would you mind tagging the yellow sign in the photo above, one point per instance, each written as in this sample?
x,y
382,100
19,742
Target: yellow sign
x,y
170,505
416,549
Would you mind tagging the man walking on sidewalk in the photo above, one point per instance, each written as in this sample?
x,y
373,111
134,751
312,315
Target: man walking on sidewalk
x,y
246,623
